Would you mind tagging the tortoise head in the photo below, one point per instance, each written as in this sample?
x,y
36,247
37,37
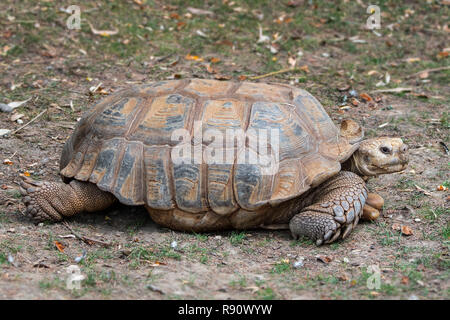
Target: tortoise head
x,y
381,155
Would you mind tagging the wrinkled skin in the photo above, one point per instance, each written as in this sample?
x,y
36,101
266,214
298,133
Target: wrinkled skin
x,y
380,156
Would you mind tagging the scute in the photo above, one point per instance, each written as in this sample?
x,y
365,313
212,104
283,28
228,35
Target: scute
x,y
294,139
208,88
125,145
161,117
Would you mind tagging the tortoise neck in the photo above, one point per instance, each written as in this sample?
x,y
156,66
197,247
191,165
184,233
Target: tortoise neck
x,y
351,165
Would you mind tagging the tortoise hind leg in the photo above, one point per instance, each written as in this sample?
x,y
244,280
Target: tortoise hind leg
x,y
337,206
55,200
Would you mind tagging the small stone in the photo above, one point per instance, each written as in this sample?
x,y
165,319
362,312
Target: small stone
x,y
413,297
346,260
353,93
299,263
174,245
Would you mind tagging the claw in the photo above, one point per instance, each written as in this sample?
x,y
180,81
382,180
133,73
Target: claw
x,y
336,235
347,230
328,235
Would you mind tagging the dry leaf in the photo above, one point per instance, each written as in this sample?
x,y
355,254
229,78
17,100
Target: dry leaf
x,y
103,33
242,77
443,54
442,188
344,88
355,102
210,69
407,231
16,116
200,11
180,25
262,38
294,4
412,60
59,246
366,97
7,162
193,58
424,75
344,277
304,68
12,105
292,61
222,77
215,60
324,259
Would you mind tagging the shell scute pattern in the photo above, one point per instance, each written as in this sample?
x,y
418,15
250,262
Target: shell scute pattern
x,y
124,146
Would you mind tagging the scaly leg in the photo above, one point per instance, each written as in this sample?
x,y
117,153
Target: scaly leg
x,y
337,206
55,200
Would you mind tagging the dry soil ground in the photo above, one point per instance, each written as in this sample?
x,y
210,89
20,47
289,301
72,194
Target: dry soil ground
x,y
331,54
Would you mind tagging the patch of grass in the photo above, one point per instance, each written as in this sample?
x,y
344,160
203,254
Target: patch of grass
x,y
236,238
142,254
204,259
266,294
14,193
201,237
50,284
445,120
433,214
445,232
281,267
3,258
389,238
3,217
303,241
405,183
240,282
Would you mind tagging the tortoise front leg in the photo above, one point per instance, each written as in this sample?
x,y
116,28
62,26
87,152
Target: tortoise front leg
x,y
55,200
336,209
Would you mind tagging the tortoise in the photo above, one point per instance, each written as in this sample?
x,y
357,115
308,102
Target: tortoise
x,y
122,150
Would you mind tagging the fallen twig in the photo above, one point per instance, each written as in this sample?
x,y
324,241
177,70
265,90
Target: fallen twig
x,y
394,90
423,190
273,73
428,71
29,122
85,239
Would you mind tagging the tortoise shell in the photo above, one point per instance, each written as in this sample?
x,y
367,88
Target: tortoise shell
x,y
124,143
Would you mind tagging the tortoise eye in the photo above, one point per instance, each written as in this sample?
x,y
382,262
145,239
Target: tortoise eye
x,y
385,150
